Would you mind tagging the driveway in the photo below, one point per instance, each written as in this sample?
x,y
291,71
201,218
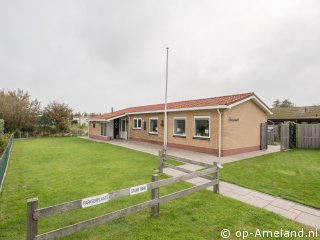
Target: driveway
x,y
200,157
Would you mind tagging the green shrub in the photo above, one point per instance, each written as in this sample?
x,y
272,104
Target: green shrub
x,y
4,139
1,126
292,135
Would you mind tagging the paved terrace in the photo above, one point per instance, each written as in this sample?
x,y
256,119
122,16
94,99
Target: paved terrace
x,y
294,211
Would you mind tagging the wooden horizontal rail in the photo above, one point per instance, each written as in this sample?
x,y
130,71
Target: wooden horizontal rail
x,y
183,170
120,213
52,210
206,165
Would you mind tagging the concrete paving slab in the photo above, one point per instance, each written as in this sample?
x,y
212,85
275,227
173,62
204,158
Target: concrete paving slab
x,y
281,203
281,211
258,202
242,191
236,196
295,211
191,167
198,181
309,220
227,185
262,196
172,172
306,209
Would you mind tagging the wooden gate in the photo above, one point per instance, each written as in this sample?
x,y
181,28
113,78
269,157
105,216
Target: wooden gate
x,y
264,136
284,137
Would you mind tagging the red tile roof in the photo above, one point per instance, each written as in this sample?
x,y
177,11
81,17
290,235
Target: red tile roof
x,y
196,103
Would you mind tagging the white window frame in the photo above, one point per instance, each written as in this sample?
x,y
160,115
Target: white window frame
x,y
154,118
194,126
174,126
103,129
137,119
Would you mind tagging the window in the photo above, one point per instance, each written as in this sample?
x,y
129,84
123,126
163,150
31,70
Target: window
x,y
103,129
153,125
179,126
137,123
202,127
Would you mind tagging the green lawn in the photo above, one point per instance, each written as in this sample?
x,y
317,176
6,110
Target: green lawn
x,y
65,169
294,175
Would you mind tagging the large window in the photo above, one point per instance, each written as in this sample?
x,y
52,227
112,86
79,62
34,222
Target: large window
x,y
153,125
137,123
202,126
179,126
103,129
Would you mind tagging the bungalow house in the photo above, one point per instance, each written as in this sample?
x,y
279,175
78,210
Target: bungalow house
x,y
220,125
306,114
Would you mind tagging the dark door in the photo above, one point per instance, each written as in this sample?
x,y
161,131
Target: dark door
x,y
116,128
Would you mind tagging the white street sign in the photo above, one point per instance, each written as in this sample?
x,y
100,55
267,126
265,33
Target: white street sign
x,y
92,201
138,189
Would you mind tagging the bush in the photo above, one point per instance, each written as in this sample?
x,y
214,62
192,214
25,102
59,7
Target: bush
x,y
292,135
4,139
1,126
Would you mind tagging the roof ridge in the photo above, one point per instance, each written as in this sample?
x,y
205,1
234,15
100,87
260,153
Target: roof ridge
x,y
194,99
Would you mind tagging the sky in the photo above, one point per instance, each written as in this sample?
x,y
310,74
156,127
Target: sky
x,y
94,55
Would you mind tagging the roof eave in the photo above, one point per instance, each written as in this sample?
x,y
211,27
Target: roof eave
x,y
256,100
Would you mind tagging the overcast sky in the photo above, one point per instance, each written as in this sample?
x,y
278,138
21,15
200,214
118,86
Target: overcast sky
x,y
94,55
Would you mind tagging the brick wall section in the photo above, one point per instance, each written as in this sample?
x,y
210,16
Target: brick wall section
x,y
95,131
242,135
188,142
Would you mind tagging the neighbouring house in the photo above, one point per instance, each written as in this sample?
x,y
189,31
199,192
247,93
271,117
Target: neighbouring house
x,y
81,120
220,125
306,114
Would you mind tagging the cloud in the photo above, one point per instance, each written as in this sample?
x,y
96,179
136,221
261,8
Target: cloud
x,y
97,54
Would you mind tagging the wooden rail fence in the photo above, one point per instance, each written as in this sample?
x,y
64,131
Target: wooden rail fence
x,y
163,164
34,213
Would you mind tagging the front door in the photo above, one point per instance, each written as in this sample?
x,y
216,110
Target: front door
x,y
123,128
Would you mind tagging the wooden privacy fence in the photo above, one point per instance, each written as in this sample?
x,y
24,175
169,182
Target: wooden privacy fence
x,y
34,213
4,161
308,136
284,137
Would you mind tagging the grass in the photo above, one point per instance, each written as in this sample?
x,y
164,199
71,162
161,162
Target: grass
x,y
65,169
293,175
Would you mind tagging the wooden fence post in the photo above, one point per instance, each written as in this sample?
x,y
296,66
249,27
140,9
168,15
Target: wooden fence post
x,y
155,195
32,224
161,161
216,176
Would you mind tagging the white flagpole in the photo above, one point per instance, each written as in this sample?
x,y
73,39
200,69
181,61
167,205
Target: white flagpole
x,y
165,135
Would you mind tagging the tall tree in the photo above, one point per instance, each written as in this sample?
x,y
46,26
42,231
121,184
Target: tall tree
x,y
276,103
282,104
286,103
18,110
59,114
